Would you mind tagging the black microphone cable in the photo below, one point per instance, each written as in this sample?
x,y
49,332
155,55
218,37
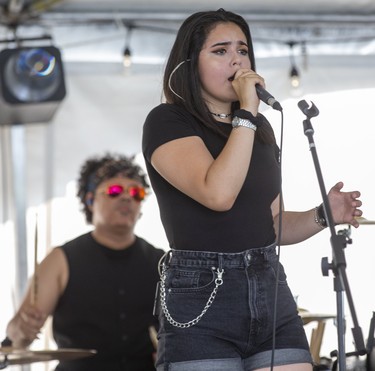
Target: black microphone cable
x,y
278,243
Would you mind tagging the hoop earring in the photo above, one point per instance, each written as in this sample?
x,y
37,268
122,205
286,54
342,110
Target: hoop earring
x,y
170,78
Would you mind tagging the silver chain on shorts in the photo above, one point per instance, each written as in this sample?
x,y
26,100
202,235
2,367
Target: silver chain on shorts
x,y
218,282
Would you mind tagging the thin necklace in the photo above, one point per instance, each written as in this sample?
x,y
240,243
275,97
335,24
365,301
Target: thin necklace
x,y
221,115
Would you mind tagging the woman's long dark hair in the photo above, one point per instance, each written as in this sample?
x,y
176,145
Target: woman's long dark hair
x,y
185,80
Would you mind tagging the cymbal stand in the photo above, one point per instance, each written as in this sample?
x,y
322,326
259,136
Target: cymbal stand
x,y
338,243
4,363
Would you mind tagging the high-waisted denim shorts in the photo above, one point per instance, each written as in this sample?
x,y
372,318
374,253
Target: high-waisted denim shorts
x,y
217,311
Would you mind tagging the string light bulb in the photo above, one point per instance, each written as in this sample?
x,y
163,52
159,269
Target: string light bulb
x,y
294,77
127,57
294,74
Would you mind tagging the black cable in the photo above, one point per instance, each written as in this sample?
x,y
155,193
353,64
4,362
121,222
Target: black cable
x,y
278,243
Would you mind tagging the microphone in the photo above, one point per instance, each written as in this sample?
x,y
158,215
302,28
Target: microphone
x,y
267,98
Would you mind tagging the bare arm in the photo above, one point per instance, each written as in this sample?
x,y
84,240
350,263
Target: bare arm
x,y
299,226
215,183
52,277
187,164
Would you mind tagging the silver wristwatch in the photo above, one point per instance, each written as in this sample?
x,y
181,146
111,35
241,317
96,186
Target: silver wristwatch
x,y
238,121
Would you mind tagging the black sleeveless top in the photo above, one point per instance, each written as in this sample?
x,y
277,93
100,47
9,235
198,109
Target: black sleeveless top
x,y
107,305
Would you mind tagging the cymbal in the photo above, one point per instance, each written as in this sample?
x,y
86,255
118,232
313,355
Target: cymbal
x,y
362,220
4,351
13,356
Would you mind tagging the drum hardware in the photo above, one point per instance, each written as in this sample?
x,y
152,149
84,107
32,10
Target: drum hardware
x,y
366,363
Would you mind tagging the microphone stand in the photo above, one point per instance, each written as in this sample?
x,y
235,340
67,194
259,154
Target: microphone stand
x,y
338,243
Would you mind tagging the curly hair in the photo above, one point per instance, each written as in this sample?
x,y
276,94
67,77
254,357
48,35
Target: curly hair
x,y
97,169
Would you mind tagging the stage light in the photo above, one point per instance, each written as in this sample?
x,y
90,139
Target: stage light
x,y
32,84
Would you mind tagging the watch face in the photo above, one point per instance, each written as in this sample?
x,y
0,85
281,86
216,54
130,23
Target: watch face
x,y
235,121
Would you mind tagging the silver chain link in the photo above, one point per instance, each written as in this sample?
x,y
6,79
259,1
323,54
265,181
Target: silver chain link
x,y
218,282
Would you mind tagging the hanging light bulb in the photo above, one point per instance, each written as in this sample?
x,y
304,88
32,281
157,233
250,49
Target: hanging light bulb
x,y
294,77
127,57
294,74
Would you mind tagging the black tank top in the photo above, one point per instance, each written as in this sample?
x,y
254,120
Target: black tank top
x,y
107,305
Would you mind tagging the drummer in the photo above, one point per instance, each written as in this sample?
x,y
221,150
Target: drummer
x,y
100,286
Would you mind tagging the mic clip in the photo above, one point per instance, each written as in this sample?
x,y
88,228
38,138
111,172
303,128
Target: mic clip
x,y
309,112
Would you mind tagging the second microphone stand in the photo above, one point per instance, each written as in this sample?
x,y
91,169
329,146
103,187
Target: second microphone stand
x,y
338,243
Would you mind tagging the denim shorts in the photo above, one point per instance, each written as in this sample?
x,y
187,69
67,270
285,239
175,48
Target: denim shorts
x,y
216,312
